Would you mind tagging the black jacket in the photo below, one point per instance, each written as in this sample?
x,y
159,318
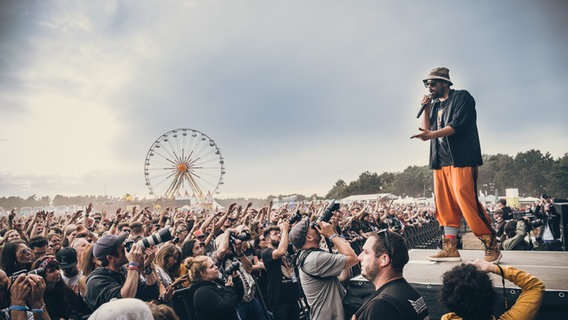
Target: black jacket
x,y
211,300
104,285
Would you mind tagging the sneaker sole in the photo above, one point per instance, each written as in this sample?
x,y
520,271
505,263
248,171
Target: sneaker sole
x,y
448,259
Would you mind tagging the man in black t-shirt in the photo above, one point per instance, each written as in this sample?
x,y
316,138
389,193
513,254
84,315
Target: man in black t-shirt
x,y
383,257
282,285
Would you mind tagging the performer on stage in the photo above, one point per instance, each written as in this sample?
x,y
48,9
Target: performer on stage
x,y
449,123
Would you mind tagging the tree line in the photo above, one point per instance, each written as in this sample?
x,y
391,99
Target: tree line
x,y
532,173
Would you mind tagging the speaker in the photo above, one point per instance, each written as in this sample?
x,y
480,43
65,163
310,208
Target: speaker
x,y
562,210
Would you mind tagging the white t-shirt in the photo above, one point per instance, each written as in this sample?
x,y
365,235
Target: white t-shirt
x,y
72,282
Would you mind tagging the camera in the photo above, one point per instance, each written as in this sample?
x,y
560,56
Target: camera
x,y
151,240
296,217
39,271
243,236
545,196
232,268
327,213
532,223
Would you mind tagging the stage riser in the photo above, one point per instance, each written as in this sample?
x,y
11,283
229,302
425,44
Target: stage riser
x,y
426,276
554,305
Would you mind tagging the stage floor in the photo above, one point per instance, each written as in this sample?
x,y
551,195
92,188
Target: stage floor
x,y
551,267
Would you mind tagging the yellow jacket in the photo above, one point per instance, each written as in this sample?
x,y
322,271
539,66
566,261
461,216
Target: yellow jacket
x,y
527,305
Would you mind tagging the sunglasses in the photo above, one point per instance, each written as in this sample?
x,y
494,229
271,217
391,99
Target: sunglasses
x,y
430,83
387,242
25,251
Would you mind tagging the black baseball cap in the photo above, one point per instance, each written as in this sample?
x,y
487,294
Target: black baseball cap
x,y
67,257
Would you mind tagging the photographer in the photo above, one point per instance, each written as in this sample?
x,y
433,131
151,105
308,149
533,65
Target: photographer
x,y
230,251
208,297
22,298
113,280
550,230
514,234
320,271
468,292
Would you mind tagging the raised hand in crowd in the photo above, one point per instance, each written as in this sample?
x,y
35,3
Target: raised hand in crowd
x,y
89,208
76,215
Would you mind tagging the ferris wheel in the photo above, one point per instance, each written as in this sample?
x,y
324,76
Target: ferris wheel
x,y
182,163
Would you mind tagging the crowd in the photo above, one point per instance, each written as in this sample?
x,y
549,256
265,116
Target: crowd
x,y
236,263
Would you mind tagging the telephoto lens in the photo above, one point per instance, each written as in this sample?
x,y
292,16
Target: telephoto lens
x,y
296,217
243,236
151,240
327,213
232,268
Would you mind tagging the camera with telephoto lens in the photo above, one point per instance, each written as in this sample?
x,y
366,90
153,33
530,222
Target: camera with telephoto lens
x,y
532,223
232,268
327,213
151,240
243,236
295,217
39,271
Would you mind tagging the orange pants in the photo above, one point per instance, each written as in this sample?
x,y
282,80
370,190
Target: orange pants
x,y
454,194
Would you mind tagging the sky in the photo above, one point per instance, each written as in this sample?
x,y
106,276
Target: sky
x,y
296,94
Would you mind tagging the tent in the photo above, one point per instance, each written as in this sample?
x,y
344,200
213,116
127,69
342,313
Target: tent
x,y
368,197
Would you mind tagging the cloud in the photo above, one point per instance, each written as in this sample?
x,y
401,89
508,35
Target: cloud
x,y
296,94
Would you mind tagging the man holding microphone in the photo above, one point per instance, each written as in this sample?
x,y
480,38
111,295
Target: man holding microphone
x,y
449,123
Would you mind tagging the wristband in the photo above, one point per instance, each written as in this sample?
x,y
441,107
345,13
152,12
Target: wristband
x,y
134,268
19,308
41,310
332,236
134,264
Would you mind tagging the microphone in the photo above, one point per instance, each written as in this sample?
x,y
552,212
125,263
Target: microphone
x,y
423,106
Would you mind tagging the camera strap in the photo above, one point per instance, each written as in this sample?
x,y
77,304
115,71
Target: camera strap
x,y
504,290
302,258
